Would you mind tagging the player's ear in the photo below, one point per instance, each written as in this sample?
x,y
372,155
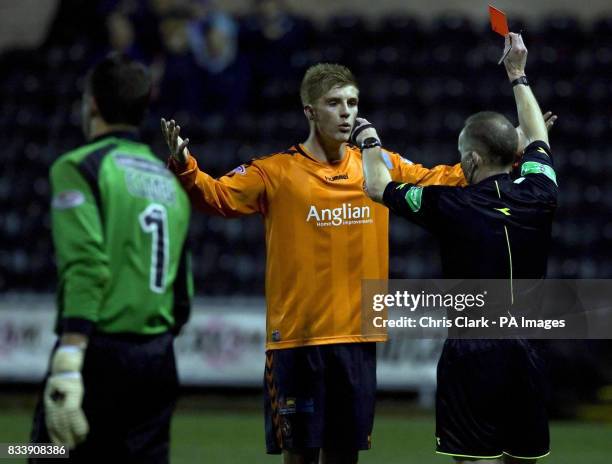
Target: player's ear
x,y
89,110
93,105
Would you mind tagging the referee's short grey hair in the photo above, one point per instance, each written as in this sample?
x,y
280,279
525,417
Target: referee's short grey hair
x,y
492,135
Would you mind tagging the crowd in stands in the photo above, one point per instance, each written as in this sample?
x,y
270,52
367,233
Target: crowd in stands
x,y
233,84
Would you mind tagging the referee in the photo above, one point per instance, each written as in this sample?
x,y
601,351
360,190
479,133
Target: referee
x,y
119,224
490,403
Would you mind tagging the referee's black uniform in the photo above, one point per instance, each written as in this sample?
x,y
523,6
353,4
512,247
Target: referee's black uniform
x,y
490,398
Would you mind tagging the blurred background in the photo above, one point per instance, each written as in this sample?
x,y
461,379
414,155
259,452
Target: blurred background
x,y
229,72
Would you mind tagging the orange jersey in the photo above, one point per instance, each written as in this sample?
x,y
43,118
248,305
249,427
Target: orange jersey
x,y
323,236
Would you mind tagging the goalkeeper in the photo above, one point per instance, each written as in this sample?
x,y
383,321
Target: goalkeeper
x,y
119,224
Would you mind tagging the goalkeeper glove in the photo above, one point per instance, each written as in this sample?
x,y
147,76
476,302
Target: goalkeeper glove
x,y
359,135
63,397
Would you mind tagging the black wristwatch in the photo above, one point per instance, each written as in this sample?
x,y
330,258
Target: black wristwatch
x,y
520,81
370,142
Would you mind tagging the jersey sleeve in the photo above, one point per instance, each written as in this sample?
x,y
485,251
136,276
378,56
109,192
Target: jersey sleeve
x,y
83,264
416,203
537,161
405,171
537,175
240,192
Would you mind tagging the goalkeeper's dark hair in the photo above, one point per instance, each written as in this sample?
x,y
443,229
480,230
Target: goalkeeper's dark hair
x,y
492,135
121,88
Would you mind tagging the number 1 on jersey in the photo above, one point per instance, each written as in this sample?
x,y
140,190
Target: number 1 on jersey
x,y
153,220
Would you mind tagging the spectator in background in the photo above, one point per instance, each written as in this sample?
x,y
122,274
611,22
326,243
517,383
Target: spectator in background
x,y
271,35
213,42
132,29
213,38
180,79
64,30
273,24
163,8
121,36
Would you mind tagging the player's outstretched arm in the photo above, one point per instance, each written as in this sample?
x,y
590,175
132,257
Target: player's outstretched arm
x,y
549,119
530,116
177,146
230,195
375,172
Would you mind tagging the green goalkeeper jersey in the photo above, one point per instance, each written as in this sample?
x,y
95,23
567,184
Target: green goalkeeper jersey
x,y
119,221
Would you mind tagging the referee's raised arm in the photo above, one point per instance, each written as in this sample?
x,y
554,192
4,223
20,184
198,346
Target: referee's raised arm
x,y
530,116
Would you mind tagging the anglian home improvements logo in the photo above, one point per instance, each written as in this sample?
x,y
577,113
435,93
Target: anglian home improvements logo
x,y
347,214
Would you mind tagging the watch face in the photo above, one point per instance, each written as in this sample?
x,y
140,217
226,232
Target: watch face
x,y
521,80
370,142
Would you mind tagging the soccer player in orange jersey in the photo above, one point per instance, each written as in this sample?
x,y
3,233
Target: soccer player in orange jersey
x,y
323,236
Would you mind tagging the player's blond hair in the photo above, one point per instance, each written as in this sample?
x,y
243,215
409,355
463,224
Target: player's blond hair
x,y
321,78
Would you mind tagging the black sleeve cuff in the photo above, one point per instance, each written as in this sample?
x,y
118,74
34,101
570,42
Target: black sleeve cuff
x,y
75,324
388,193
533,147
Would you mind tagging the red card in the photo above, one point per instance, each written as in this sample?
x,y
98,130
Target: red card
x,y
499,23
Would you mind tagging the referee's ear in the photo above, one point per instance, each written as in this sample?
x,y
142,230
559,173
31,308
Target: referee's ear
x,y
309,112
471,161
